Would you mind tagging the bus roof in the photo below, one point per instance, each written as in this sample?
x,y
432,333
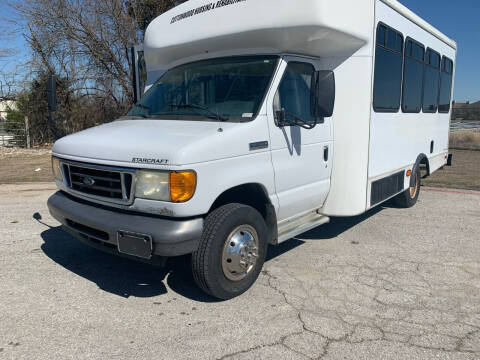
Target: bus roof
x,y
318,28
312,28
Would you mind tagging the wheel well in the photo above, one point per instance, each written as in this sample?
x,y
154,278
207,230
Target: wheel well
x,y
253,195
422,159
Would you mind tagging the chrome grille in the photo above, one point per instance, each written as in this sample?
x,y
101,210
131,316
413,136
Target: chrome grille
x,y
100,182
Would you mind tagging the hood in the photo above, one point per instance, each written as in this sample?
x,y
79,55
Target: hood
x,y
160,142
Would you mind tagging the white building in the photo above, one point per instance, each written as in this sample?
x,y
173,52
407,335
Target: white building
x,y
4,105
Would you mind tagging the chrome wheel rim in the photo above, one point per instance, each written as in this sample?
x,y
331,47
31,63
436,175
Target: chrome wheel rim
x,y
240,253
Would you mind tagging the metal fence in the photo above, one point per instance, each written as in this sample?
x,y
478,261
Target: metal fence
x,y
465,118
464,125
13,134
466,113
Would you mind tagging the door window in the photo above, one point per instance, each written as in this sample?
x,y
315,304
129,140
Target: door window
x,y
293,94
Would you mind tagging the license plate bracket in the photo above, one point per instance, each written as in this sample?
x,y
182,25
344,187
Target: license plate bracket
x,y
139,245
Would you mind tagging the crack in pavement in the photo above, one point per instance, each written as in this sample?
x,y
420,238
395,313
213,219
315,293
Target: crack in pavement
x,y
392,303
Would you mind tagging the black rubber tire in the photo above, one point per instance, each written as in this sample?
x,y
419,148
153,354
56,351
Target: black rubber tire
x,y
405,200
207,260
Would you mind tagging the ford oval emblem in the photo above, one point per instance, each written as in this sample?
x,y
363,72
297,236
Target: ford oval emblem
x,y
88,181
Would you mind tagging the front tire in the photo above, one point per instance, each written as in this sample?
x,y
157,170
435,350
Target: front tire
x,y
232,251
409,197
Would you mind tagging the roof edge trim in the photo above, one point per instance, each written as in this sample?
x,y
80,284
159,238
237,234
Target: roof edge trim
x,y
403,10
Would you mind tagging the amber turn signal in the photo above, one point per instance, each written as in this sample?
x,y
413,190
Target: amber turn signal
x,y
182,185
409,173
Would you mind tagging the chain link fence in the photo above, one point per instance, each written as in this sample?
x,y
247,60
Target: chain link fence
x,y
465,118
13,134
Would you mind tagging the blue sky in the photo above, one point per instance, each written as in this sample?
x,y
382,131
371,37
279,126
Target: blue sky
x,y
460,20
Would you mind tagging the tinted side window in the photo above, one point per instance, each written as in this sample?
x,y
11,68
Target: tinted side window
x,y
413,77
293,94
446,85
388,70
431,82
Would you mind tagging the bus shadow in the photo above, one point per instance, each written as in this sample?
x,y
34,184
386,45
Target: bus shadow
x,y
338,226
113,274
127,278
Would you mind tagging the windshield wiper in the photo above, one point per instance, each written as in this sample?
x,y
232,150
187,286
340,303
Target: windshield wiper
x,y
138,115
200,107
143,106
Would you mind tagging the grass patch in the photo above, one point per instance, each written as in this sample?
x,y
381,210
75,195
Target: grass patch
x,y
465,139
463,174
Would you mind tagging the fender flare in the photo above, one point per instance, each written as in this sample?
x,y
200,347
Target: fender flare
x,y
422,158
265,206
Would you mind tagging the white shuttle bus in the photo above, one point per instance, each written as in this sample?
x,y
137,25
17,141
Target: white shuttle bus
x,y
261,119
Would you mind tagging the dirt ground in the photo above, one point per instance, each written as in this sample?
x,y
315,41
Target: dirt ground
x,y
25,165
463,174
22,165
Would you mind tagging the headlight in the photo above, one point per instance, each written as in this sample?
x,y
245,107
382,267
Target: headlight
x,y
165,186
57,169
152,185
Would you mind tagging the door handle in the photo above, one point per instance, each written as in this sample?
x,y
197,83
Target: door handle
x,y
325,153
258,145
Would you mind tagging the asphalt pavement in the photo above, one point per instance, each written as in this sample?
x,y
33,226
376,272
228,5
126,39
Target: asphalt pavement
x,y
390,284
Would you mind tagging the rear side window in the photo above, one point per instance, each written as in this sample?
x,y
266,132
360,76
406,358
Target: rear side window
x,y
388,69
413,77
431,81
445,85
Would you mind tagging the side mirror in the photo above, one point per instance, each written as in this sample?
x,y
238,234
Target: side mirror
x,y
52,93
280,118
323,94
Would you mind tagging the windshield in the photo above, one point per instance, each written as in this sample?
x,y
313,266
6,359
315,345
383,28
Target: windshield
x,y
226,89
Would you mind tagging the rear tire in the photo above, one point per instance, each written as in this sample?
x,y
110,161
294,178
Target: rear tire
x,y
232,251
409,197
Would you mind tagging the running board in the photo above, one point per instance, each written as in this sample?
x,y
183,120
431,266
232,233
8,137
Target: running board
x,y
300,225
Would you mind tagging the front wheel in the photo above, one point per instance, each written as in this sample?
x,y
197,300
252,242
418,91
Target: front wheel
x,y
231,252
409,198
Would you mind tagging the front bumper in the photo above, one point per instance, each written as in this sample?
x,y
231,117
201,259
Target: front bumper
x,y
90,223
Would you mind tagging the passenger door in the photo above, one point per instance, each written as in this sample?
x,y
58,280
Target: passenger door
x,y
301,158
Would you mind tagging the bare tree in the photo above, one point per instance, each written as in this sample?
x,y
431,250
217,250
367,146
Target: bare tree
x,y
88,41
13,80
85,41
86,44
11,76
